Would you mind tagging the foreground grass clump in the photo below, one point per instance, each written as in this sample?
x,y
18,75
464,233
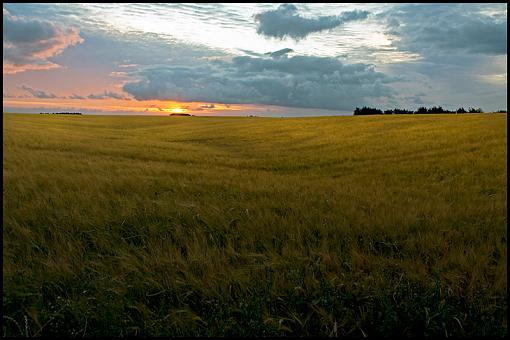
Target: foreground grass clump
x,y
255,226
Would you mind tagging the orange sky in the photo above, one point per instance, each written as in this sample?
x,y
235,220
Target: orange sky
x,y
134,106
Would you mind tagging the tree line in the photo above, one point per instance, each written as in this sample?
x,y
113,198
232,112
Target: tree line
x,y
60,113
422,110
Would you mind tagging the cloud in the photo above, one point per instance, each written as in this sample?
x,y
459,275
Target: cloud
x,y
105,95
452,83
435,29
118,74
38,93
27,44
280,53
75,96
460,48
8,95
207,106
299,81
285,21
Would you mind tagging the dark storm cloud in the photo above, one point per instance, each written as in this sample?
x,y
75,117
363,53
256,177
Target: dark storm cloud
x,y
434,29
38,93
285,21
27,44
299,81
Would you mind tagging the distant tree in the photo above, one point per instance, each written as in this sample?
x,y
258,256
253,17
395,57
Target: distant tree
x,y
422,109
435,109
501,111
367,111
60,113
402,111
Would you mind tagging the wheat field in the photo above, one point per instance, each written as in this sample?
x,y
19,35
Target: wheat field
x,y
221,226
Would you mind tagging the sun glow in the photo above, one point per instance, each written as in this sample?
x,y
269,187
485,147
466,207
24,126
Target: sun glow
x,y
121,106
178,110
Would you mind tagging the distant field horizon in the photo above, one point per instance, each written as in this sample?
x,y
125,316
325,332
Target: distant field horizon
x,y
240,115
192,115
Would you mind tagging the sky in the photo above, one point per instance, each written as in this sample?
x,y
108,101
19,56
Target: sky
x,y
253,59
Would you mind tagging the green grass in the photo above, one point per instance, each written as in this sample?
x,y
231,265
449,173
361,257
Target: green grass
x,y
200,226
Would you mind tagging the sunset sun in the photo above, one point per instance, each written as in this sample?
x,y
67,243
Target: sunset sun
x,y
177,110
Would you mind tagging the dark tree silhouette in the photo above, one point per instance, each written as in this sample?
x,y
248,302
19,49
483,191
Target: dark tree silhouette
x,y
367,111
421,110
